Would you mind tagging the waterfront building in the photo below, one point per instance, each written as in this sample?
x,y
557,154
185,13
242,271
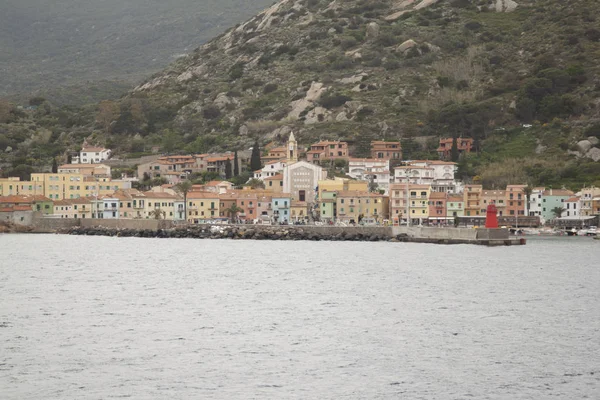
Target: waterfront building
x,y
342,184
516,201
281,205
386,150
455,207
418,206
535,202
327,206
572,207
553,199
496,197
264,208
438,208
357,206
472,200
202,206
35,203
589,197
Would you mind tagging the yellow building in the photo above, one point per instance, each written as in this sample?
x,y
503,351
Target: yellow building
x,y
419,203
362,207
61,186
14,186
274,184
202,206
472,200
342,185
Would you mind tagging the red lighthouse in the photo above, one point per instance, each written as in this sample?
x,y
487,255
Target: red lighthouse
x,y
491,219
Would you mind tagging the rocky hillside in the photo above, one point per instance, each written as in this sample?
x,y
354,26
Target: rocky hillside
x,y
521,78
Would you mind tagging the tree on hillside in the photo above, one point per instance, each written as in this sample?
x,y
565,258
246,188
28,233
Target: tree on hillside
x,y
236,165
183,188
108,111
54,166
557,211
255,163
454,152
228,172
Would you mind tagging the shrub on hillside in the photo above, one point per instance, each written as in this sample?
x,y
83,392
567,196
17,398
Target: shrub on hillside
x,y
211,112
270,87
333,100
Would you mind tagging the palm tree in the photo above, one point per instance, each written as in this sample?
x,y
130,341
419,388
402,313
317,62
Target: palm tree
x,y
183,188
157,213
233,211
557,211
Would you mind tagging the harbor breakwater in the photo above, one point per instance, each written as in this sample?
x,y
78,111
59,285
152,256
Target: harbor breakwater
x,y
488,237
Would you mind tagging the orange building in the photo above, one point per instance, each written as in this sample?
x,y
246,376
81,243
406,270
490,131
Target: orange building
x,y
386,150
515,200
464,145
438,207
327,150
496,197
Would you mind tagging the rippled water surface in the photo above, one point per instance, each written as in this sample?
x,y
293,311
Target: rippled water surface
x,y
100,318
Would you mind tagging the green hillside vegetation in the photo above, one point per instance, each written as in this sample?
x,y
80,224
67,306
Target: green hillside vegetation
x,y
524,84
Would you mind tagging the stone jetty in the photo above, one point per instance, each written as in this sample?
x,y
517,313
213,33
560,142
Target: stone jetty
x,y
243,232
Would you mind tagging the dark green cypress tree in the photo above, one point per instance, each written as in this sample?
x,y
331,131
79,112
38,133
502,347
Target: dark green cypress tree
x,y
454,151
54,166
236,165
255,163
228,169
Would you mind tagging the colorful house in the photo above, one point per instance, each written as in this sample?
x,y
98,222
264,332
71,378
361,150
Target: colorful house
x,y
438,208
357,206
472,200
326,151
464,146
386,150
455,207
281,205
203,206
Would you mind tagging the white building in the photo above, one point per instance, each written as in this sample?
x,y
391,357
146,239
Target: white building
x,y
110,208
437,174
572,207
91,155
371,169
270,170
301,179
535,202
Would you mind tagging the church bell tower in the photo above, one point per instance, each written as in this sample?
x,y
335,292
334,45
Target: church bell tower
x,y
292,149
